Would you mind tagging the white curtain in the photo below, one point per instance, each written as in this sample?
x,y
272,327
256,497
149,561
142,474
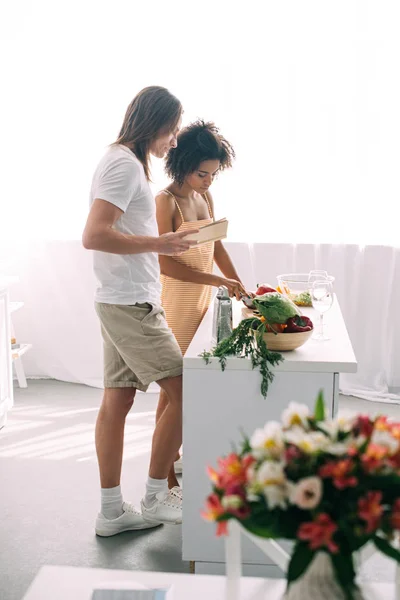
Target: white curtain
x,y
57,285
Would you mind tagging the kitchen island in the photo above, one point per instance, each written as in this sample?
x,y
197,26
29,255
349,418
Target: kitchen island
x,y
219,406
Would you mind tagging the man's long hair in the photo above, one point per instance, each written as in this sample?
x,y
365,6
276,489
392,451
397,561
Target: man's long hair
x,y
152,112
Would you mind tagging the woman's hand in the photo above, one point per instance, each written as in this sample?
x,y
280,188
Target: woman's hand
x,y
235,288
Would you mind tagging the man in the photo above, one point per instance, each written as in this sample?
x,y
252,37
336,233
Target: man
x,y
139,348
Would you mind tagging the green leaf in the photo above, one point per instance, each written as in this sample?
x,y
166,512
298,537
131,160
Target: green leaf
x,y
345,573
384,546
319,412
261,531
300,561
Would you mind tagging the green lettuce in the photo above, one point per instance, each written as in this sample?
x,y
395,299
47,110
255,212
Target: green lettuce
x,y
275,307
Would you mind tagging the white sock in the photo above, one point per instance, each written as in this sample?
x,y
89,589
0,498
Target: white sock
x,y
154,487
111,502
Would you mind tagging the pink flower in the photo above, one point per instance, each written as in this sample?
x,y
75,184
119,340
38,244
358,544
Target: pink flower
x,y
292,453
307,493
370,510
395,516
363,426
340,472
319,533
222,528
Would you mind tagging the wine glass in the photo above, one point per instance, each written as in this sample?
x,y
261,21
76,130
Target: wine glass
x,y
316,275
322,300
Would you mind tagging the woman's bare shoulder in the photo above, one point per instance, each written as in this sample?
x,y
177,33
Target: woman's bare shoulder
x,y
165,199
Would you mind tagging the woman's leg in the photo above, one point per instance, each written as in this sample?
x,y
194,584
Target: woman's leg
x,y
162,405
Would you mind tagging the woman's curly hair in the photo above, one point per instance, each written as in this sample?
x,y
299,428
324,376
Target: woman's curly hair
x,y
197,142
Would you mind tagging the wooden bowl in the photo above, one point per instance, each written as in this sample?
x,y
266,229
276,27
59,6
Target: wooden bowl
x,y
281,342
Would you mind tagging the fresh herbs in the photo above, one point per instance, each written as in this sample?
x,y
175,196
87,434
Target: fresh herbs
x,y
247,341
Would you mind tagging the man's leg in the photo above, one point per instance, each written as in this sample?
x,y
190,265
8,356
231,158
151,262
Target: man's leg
x,y
162,405
116,515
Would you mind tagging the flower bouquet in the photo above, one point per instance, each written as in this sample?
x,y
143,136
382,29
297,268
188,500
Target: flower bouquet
x,y
331,486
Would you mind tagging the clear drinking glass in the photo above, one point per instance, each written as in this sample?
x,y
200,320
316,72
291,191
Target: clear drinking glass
x,y
316,275
322,300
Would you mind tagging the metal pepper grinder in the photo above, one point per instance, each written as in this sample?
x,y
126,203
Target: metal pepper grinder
x,y
222,323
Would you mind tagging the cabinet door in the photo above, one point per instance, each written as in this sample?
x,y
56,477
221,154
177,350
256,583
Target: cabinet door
x,y
6,387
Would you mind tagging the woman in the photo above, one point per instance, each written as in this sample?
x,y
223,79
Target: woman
x,y
187,280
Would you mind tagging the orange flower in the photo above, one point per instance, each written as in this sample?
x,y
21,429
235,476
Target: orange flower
x,y
374,457
213,475
319,533
340,472
370,510
232,471
382,424
395,430
395,516
214,508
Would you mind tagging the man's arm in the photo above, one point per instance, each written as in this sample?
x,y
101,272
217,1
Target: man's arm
x,y
99,234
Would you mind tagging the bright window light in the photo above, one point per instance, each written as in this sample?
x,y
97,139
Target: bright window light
x,y
307,92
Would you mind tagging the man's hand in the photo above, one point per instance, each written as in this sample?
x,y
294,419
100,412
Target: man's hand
x,y
173,244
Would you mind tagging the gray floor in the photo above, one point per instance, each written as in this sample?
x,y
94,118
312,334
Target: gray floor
x,y
49,492
49,486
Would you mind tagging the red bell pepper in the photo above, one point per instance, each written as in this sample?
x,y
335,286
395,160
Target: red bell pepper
x,y
264,289
298,324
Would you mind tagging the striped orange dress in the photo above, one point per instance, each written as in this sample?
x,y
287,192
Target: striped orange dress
x,y
185,303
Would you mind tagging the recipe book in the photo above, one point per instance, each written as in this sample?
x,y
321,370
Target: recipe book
x,y
213,232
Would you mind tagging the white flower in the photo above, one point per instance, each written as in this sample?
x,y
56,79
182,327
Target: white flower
x,y
295,415
306,493
272,482
267,441
307,442
330,427
345,420
234,501
385,439
337,448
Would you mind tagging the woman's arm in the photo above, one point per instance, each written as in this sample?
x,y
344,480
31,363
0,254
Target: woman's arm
x,y
165,207
225,264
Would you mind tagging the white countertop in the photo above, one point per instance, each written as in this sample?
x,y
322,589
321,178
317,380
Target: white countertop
x,y
335,355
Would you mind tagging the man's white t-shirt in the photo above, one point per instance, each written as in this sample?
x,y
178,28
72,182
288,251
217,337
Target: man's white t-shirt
x,y
126,278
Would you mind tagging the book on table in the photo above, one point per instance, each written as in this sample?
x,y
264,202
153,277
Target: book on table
x,y
212,232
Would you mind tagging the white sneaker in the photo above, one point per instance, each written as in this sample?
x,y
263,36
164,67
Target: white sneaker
x,y
130,520
178,466
166,509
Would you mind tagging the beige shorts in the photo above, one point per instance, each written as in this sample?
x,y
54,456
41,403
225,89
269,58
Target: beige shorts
x,y
139,347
